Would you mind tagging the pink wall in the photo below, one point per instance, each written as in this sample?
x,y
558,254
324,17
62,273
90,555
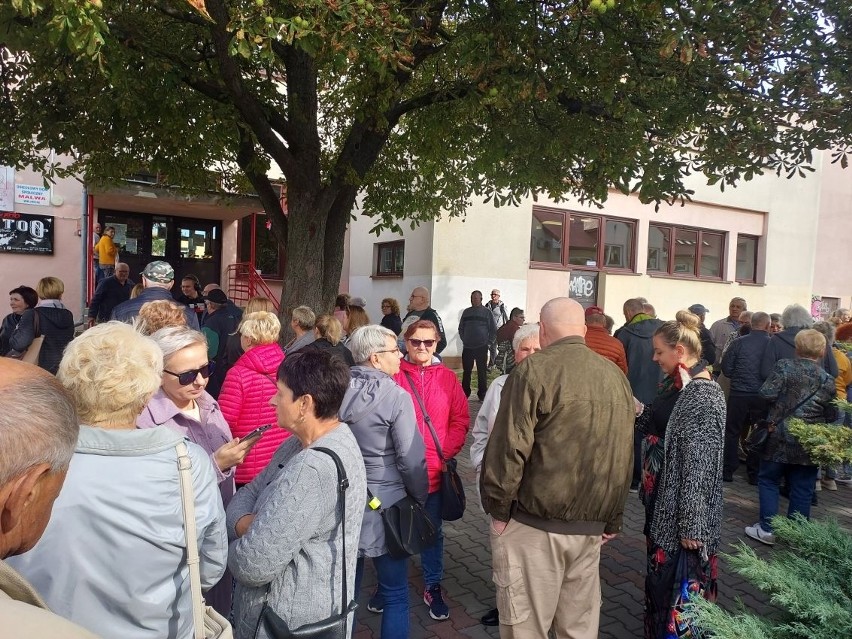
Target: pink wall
x,y
831,264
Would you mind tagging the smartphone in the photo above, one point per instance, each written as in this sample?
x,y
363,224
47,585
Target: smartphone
x,y
257,432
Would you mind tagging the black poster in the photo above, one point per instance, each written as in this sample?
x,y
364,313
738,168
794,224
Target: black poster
x,y
25,233
583,287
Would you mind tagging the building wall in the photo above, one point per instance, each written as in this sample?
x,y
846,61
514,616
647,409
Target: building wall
x,y
831,263
66,198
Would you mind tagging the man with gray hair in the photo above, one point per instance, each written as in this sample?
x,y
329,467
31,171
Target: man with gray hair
x,y
420,308
38,434
721,329
158,277
783,344
552,503
302,321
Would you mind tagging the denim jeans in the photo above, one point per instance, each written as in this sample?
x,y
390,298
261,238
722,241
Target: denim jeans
x,y
801,480
393,587
432,559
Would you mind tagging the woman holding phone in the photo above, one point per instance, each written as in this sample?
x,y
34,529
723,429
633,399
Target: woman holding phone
x,y
183,405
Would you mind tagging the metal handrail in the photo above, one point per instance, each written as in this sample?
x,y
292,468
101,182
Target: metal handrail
x,y
244,282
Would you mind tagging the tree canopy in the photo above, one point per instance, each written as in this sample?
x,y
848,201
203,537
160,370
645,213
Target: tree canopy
x,y
422,105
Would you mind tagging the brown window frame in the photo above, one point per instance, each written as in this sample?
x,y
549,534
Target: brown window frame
x,y
756,239
696,270
564,264
393,247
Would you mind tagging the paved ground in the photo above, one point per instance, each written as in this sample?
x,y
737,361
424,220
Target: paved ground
x,y
467,567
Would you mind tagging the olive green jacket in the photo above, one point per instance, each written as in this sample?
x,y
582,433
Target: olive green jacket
x,y
560,457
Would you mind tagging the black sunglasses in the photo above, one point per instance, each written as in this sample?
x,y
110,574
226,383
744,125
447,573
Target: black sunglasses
x,y
187,377
416,343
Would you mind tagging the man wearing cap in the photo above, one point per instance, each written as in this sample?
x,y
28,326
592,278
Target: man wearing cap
x,y
110,293
157,278
218,324
708,349
498,310
602,342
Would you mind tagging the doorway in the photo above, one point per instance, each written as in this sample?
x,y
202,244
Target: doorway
x,y
191,246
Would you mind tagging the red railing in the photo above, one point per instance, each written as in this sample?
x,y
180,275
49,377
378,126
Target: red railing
x,y
245,283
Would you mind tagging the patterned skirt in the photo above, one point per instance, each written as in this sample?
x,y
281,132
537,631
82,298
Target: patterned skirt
x,y
672,580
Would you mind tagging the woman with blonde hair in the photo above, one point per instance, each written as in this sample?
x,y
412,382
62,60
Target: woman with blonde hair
x,y
113,557
49,318
329,334
249,386
682,482
158,314
234,349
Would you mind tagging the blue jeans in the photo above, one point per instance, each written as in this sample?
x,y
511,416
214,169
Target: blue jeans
x,y
432,559
393,587
801,480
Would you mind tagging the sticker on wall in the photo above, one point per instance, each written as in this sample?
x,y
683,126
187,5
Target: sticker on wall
x,y
33,195
24,233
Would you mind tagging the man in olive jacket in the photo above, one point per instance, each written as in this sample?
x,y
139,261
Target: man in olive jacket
x,y
555,478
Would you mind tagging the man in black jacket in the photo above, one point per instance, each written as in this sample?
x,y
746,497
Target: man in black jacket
x,y
111,292
218,324
158,279
708,349
476,331
419,308
741,365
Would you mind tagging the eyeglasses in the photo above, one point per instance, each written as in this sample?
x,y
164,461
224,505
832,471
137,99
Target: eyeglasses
x,y
187,377
390,350
417,343
386,305
495,294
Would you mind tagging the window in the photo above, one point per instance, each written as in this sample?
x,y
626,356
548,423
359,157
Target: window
x,y
746,258
266,250
390,259
592,241
687,252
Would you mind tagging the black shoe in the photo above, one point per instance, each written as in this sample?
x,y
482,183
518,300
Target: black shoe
x,y
727,478
814,500
634,487
490,618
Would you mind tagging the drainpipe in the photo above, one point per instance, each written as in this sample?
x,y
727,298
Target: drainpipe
x,y
86,261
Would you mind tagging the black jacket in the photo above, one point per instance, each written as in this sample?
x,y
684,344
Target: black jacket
x,y
126,311
742,362
10,323
217,328
708,348
643,372
432,315
783,346
477,327
57,326
393,322
109,294
335,350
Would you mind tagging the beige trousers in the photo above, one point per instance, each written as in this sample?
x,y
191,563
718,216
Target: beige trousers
x,y
546,581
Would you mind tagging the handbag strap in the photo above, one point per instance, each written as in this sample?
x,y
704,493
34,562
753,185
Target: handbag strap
x,y
36,324
342,485
800,404
188,499
426,417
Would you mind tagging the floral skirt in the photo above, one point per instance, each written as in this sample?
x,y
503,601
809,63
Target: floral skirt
x,y
672,580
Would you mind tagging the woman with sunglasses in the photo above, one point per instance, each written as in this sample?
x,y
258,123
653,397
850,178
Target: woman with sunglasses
x,y
426,379
183,405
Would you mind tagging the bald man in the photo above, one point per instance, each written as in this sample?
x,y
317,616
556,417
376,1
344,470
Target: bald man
x,y
38,433
555,478
419,308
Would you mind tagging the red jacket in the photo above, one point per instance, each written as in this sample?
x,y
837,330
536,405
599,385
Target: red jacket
x,y
447,407
607,346
244,400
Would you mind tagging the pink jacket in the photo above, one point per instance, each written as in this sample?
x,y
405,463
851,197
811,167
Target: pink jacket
x,y
244,399
447,407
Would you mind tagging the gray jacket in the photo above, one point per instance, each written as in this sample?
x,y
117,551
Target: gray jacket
x,y
381,416
293,547
113,557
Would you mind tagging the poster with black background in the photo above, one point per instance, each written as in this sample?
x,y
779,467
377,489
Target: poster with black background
x,y
25,233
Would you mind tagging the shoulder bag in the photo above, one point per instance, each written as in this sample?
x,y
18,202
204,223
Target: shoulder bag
x,y
336,626
453,499
408,529
758,438
207,623
30,356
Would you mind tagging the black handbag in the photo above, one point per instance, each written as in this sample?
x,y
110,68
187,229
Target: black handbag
x,y
758,438
336,626
453,499
408,529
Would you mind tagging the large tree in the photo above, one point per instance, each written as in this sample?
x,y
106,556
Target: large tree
x,y
422,105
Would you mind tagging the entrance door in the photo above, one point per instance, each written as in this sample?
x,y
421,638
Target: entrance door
x,y
191,246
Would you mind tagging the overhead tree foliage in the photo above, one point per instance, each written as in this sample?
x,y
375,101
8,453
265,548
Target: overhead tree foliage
x,y
422,105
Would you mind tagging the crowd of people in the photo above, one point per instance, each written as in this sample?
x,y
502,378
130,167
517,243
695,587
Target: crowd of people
x,y
296,454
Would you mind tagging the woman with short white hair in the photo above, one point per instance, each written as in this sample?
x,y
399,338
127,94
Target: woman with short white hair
x,y
113,557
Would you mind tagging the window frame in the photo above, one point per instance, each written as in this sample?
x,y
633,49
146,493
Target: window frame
x,y
669,270
254,219
756,239
602,249
393,246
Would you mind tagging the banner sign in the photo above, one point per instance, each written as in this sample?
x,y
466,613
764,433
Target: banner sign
x,y
24,233
583,287
29,194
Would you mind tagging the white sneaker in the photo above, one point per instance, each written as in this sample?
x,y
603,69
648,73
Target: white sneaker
x,y
829,484
757,533
818,486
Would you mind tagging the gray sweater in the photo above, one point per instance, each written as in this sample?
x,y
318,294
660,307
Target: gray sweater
x,y
294,543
